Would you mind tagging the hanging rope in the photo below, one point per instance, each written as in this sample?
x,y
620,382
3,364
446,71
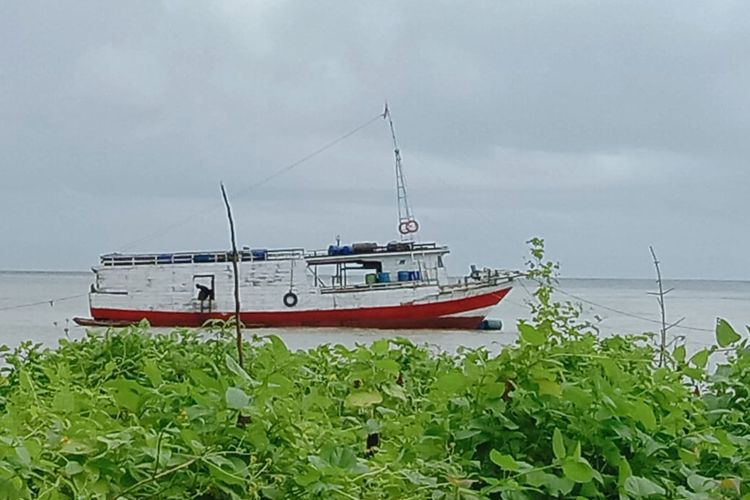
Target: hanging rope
x,y
277,173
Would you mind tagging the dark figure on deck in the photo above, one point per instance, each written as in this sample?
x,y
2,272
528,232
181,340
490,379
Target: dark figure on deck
x,y
205,293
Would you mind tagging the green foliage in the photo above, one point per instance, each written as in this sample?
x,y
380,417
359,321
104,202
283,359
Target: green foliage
x,y
563,413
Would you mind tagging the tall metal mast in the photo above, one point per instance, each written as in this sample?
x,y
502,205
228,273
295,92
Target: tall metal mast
x,y
407,224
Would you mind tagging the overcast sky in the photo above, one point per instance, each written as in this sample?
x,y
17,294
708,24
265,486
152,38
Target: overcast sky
x,y
604,127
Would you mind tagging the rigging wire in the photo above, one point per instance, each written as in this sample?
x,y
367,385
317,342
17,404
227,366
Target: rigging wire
x,y
281,171
617,311
196,214
51,302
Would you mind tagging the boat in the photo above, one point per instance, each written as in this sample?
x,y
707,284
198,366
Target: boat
x,y
400,284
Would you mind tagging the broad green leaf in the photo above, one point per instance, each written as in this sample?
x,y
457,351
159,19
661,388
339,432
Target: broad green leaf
x,y
549,387
387,365
64,401
419,479
466,434
395,391
372,425
236,398
380,346
126,393
73,447
280,350
204,381
505,462
558,444
679,354
256,435
644,414
235,368
23,455
342,457
640,487
700,484
152,372
690,457
308,477
360,399
725,334
624,471
451,382
531,335
224,470
578,470
279,383
700,358
577,396
72,468
555,486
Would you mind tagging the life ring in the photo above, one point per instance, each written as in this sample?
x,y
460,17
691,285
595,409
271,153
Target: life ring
x,y
290,299
408,226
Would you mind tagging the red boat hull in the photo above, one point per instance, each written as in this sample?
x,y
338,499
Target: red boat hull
x,y
464,313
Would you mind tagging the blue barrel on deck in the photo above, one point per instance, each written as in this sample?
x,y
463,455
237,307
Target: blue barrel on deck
x,y
335,250
404,275
343,250
384,277
415,276
202,258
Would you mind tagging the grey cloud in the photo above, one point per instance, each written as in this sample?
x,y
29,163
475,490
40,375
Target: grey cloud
x,y
604,126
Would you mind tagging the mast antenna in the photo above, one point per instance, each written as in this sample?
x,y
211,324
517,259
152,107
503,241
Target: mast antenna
x,y
407,224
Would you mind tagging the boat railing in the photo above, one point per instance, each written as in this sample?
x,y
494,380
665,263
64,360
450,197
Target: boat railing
x,y
479,279
359,287
246,255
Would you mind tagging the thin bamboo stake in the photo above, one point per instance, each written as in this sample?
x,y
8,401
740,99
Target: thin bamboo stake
x,y
660,299
235,255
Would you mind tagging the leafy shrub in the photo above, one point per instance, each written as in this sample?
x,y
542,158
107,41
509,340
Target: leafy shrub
x,y
563,413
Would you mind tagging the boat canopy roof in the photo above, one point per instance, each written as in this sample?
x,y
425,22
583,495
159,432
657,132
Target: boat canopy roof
x,y
333,255
373,252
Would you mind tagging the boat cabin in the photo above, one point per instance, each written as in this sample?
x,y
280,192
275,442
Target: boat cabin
x,y
372,265
339,268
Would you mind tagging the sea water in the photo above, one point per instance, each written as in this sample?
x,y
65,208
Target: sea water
x,y
39,306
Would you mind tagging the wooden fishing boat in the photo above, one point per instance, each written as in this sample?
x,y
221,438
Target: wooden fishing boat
x,y
402,284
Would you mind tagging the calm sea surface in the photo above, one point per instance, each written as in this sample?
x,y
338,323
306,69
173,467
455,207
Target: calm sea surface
x,y
616,306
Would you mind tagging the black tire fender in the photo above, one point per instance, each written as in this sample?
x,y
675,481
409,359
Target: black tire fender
x,y
290,299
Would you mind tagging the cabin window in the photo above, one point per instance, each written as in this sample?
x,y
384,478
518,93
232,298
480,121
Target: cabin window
x,y
402,261
440,260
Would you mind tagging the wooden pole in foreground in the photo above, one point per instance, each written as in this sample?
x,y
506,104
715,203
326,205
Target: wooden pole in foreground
x,y
235,255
